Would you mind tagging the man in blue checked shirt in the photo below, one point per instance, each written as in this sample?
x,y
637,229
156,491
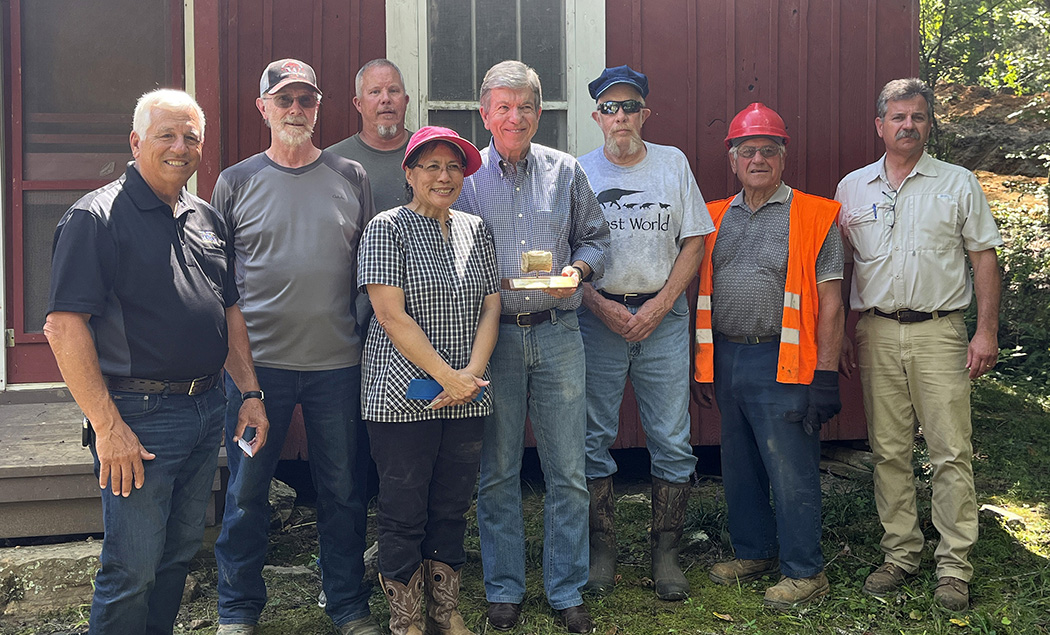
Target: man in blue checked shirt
x,y
534,198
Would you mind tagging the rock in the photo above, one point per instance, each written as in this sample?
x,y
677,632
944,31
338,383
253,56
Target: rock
x,y
46,577
197,625
294,570
191,590
1010,519
282,501
371,557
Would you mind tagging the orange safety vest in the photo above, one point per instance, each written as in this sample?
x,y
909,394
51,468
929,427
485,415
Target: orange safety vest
x,y
811,218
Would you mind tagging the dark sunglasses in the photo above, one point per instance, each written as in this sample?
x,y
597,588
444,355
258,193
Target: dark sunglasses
x,y
286,101
630,106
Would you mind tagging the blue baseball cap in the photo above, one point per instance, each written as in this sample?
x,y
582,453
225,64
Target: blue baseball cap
x,y
619,75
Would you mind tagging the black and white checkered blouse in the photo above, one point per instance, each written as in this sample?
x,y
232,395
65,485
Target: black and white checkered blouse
x,y
445,283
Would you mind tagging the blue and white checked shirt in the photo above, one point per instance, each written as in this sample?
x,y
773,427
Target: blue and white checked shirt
x,y
543,202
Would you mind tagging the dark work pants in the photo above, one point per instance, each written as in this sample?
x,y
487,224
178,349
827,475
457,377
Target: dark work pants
x,y
427,471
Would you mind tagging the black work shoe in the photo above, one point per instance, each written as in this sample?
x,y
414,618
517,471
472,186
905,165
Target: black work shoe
x,y
503,616
576,619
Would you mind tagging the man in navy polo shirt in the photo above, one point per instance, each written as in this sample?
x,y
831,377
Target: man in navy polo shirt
x,y
141,309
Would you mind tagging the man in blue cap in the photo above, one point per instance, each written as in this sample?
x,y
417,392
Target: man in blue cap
x,y
635,322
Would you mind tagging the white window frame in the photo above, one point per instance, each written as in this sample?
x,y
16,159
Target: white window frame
x,y
406,40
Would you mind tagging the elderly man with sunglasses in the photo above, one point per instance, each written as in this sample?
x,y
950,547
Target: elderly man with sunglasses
x,y
635,322
296,214
768,333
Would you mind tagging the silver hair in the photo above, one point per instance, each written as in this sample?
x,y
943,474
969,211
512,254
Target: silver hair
x,y
167,98
373,64
898,89
514,75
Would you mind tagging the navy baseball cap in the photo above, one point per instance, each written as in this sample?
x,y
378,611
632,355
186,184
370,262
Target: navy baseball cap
x,y
287,71
619,75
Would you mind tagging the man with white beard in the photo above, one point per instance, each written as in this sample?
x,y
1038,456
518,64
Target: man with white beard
x,y
635,322
296,214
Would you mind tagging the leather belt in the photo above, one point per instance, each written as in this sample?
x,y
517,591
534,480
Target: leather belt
x,y
907,316
630,299
154,386
527,319
748,339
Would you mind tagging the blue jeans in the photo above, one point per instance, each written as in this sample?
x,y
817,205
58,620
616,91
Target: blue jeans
x,y
760,451
152,535
659,370
539,370
338,447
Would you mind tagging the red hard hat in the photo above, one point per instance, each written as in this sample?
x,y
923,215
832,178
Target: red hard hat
x,y
756,120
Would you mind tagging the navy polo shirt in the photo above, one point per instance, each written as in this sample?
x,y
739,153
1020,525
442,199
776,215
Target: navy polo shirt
x,y
156,285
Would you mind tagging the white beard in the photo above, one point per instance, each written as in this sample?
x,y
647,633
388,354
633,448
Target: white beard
x,y
614,148
296,137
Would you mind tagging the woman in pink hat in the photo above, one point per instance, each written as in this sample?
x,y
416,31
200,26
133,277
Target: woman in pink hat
x,y
430,272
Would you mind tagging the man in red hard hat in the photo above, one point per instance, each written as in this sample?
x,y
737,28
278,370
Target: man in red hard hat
x,y
768,334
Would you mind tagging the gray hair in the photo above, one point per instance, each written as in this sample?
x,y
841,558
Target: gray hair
x,y
167,98
898,89
374,64
514,75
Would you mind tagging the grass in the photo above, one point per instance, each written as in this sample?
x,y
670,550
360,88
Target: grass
x,y
1010,592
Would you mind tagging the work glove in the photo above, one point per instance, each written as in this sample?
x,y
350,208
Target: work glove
x,y
824,400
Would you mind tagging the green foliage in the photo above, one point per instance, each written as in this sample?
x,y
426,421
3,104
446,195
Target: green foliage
x,y
1024,316
994,43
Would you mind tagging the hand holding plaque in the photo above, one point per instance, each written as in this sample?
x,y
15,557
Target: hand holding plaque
x,y
539,264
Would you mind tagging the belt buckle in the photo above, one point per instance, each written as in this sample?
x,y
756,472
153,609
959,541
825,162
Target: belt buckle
x,y
517,320
194,383
629,295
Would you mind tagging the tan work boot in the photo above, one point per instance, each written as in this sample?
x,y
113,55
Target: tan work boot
x,y
884,580
442,589
602,522
669,503
362,626
736,570
790,592
404,602
952,593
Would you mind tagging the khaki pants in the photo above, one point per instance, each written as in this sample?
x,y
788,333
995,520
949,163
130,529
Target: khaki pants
x,y
916,373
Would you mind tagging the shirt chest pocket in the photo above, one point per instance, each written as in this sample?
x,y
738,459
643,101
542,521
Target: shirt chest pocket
x,y
868,229
934,222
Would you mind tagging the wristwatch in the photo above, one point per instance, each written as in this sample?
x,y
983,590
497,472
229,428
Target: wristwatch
x,y
252,394
580,271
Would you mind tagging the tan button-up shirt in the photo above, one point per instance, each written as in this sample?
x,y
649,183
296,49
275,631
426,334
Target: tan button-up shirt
x,y
909,247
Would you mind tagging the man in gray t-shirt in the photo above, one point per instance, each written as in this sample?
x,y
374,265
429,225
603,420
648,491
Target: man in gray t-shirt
x,y
296,215
380,146
635,322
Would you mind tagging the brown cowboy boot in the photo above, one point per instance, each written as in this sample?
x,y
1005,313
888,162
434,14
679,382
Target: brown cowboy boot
x,y
602,536
404,604
442,588
669,502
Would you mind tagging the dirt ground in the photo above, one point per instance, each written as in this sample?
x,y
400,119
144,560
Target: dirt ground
x,y
980,127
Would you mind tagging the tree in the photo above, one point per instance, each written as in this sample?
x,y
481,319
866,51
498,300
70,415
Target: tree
x,y
994,43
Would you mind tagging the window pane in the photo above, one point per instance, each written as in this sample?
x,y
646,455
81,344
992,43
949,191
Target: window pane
x,y
459,58
40,215
497,34
450,50
82,72
543,44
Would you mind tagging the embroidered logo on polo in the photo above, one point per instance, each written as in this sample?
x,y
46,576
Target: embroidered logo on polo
x,y
210,238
